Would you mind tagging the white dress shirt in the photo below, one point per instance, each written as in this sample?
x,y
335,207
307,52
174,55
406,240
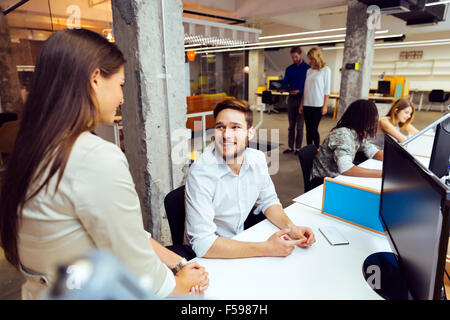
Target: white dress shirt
x,y
96,206
218,201
317,85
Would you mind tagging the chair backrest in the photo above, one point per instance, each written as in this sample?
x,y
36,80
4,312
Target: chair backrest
x,y
306,156
436,96
8,133
176,214
6,117
447,96
267,97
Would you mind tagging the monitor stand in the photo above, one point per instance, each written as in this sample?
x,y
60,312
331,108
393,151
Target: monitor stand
x,y
383,275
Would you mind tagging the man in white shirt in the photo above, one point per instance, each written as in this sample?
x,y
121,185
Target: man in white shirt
x,y
224,184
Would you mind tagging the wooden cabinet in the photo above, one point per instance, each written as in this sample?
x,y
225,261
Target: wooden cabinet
x,y
203,103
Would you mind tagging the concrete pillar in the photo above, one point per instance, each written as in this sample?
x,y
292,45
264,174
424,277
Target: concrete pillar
x,y
359,41
151,36
255,74
10,98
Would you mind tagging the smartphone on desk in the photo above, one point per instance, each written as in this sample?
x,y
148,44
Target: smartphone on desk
x,y
333,236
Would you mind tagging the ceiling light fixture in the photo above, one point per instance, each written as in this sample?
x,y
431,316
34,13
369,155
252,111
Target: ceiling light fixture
x,y
290,40
436,3
404,44
310,32
260,46
301,33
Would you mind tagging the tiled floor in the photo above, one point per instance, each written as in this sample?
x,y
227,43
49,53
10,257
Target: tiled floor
x,y
288,181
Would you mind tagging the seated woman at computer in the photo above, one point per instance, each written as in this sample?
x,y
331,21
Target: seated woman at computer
x,y
399,117
67,191
337,152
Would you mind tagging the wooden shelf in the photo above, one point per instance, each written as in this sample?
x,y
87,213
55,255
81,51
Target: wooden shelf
x,y
434,67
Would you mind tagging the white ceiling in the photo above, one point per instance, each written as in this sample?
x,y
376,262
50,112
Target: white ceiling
x,y
289,16
271,16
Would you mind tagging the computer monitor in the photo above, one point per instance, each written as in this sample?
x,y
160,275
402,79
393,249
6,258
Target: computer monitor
x,y
384,87
440,154
275,85
414,210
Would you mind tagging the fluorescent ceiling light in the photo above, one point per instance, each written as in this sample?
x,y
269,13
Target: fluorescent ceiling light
x,y
192,45
310,32
300,33
274,46
404,44
290,40
258,45
273,42
416,42
436,3
413,45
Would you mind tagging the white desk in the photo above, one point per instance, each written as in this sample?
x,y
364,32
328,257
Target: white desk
x,y
422,146
275,93
319,272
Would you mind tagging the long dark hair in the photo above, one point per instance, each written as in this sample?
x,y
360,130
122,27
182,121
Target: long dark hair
x,y
61,105
361,116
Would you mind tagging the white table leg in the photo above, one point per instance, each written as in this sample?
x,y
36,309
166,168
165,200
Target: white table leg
x,y
421,100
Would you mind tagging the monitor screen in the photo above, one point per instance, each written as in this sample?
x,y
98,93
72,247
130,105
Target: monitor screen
x,y
414,210
275,84
384,87
440,153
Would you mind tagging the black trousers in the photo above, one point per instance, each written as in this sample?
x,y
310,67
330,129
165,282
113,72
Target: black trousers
x,y
312,120
295,122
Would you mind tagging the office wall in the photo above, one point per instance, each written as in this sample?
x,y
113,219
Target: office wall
x,y
276,61
419,73
421,76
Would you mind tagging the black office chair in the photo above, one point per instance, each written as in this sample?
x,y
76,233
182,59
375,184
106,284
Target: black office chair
x,y
269,101
306,156
176,214
360,157
438,96
6,117
253,219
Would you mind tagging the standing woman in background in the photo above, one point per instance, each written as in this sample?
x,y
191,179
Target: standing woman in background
x,y
68,191
315,98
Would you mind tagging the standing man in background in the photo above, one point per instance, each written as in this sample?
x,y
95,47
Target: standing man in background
x,y
294,82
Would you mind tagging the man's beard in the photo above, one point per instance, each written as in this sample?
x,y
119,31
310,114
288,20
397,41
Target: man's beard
x,y
237,153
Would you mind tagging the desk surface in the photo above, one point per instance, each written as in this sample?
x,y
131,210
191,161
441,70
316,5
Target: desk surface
x,y
319,272
389,99
422,146
276,93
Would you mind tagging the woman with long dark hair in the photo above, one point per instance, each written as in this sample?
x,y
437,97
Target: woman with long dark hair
x,y
68,191
351,134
